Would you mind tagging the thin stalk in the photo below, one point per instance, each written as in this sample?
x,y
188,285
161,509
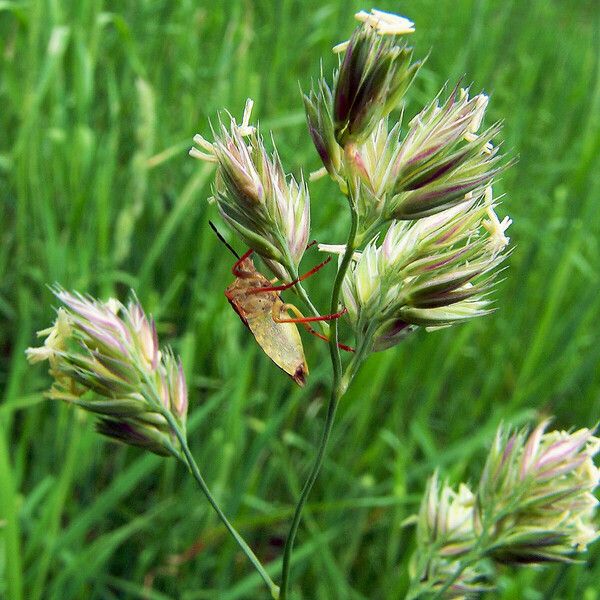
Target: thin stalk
x,y
459,571
301,292
191,463
337,391
8,511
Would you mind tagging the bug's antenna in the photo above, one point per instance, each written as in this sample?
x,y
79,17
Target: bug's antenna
x,y
227,244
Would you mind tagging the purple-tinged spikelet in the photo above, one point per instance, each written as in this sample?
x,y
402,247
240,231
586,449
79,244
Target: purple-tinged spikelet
x,y
534,503
432,272
104,357
267,208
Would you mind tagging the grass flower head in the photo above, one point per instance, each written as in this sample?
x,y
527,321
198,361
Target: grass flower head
x,y
541,484
375,71
432,272
269,210
104,357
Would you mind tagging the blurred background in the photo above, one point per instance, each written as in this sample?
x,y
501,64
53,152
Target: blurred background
x,y
99,102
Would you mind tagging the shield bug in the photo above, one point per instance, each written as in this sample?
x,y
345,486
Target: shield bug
x,y
258,303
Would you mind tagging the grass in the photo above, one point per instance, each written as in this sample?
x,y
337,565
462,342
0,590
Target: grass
x,y
99,103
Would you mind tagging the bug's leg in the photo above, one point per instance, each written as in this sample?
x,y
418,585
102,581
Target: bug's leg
x,y
236,267
326,339
311,244
302,321
285,286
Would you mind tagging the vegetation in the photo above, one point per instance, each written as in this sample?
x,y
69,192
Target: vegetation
x,y
99,103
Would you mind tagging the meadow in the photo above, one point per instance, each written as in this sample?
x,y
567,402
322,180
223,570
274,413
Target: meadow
x,y
98,105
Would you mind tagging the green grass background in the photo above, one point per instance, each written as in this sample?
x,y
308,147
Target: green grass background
x,y
98,104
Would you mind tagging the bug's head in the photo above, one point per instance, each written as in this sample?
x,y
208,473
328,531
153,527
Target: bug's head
x,y
245,268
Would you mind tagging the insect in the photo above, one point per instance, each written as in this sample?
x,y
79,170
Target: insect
x,y
258,303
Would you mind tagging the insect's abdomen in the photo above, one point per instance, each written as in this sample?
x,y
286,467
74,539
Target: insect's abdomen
x,y
281,342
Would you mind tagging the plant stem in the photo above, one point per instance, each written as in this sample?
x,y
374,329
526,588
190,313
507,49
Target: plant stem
x,y
191,463
313,309
301,292
13,570
337,391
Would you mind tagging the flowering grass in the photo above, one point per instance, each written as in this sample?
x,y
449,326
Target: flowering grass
x,y
98,194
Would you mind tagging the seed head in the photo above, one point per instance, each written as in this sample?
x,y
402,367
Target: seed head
x,y
269,210
440,162
443,158
536,494
104,358
375,72
534,503
447,532
433,272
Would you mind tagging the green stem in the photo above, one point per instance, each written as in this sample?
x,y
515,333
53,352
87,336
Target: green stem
x,y
13,569
338,389
304,297
287,554
299,289
450,582
191,463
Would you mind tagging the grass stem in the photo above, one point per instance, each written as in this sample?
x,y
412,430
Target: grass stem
x,y
337,391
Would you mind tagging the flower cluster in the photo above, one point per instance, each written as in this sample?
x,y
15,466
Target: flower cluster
x,y
534,504
433,272
374,74
536,494
442,159
430,185
104,357
269,210
375,71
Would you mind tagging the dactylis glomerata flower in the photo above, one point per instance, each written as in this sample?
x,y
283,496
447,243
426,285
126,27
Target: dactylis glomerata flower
x,y
104,358
432,272
446,532
374,73
534,503
269,210
535,498
441,159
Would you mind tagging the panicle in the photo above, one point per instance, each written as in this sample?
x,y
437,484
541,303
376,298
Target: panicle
x,y
104,357
443,158
542,483
269,210
375,71
534,503
440,162
432,272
